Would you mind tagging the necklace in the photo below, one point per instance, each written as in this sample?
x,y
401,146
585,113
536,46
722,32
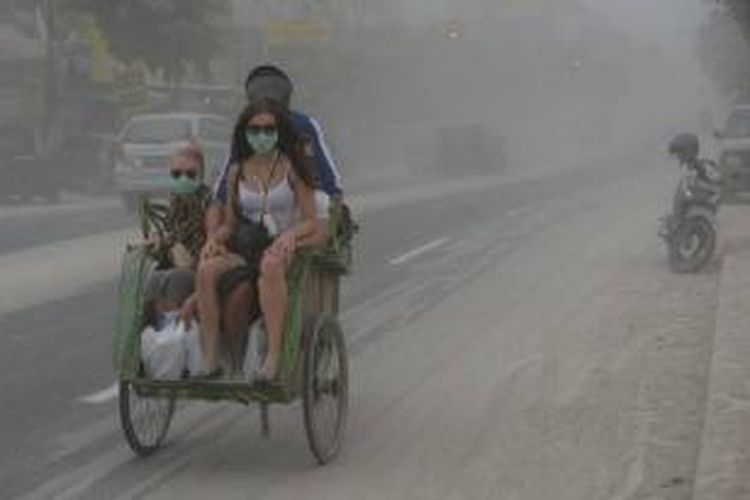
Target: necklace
x,y
262,187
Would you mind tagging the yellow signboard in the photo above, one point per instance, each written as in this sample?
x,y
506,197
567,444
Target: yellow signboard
x,y
289,32
101,62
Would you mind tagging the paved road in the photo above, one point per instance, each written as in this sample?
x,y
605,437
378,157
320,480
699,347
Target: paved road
x,y
27,226
505,341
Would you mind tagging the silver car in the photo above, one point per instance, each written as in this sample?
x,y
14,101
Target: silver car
x,y
143,148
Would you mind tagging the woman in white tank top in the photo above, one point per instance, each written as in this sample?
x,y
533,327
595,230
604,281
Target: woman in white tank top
x,y
271,185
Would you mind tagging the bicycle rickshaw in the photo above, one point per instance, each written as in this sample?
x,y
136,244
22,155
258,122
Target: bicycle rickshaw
x,y
314,364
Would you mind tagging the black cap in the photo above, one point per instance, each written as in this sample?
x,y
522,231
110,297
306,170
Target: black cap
x,y
685,146
269,82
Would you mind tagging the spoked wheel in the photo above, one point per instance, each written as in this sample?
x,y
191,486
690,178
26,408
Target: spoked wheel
x,y
693,245
145,420
325,388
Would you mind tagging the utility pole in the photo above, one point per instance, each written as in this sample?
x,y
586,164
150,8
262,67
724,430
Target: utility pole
x,y
46,17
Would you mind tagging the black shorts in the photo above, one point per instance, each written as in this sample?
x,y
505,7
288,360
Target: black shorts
x,y
233,278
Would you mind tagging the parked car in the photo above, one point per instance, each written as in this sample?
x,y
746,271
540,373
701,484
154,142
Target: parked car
x,y
23,172
734,156
143,147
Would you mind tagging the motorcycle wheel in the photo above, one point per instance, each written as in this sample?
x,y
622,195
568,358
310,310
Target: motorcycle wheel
x,y
692,245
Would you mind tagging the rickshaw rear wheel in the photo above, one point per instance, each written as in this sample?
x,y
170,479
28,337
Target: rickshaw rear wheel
x,y
145,420
325,390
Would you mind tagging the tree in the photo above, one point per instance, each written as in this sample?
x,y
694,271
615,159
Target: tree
x,y
724,47
739,10
165,35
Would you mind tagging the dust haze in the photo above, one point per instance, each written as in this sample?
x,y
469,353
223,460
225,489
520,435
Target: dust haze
x,y
550,83
424,88
510,322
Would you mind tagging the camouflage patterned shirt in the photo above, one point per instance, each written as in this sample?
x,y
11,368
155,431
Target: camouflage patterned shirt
x,y
185,223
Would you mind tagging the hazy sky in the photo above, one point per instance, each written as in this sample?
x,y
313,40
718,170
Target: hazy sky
x,y
668,22
671,23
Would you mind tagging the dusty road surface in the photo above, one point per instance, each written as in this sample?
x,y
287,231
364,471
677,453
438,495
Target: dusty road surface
x,y
522,340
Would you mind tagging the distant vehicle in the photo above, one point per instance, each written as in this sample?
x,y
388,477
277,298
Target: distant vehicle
x,y
734,156
143,148
23,171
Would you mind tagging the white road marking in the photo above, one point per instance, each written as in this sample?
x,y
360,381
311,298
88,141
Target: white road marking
x,y
413,254
100,397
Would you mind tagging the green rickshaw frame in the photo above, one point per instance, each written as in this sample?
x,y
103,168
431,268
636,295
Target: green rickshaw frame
x,y
313,334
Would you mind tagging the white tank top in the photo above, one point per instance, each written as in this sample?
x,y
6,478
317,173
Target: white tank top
x,y
281,205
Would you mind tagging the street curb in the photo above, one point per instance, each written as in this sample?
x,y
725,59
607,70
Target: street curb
x,y
724,462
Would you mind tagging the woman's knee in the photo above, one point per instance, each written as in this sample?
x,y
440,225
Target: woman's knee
x,y
272,272
271,267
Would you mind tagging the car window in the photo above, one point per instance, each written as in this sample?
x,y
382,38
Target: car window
x,y
738,126
158,131
214,130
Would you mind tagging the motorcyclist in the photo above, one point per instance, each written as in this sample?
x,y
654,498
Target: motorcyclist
x,y
704,175
690,229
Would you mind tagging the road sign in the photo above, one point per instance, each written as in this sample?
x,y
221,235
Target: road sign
x,y
101,62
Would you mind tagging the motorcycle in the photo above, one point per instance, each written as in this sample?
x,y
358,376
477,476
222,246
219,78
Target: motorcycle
x,y
690,231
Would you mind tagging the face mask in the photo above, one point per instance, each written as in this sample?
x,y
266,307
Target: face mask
x,y
263,143
184,185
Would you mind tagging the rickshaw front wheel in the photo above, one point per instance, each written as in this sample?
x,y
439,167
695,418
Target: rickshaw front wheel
x,y
145,420
325,391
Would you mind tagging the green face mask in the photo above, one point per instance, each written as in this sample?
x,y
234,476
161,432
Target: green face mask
x,y
263,143
184,185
